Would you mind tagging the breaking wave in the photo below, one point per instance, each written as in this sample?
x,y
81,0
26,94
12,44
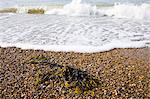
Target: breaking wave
x,y
78,8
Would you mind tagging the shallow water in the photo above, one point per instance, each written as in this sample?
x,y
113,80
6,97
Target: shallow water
x,y
66,33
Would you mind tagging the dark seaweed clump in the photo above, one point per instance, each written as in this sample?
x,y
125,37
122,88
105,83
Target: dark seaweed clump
x,y
70,80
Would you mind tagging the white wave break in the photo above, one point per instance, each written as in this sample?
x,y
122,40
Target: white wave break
x,y
77,28
77,8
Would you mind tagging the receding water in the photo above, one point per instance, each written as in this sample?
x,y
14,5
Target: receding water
x,y
64,33
77,26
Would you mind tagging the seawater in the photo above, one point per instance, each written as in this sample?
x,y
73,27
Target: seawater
x,y
83,8
78,26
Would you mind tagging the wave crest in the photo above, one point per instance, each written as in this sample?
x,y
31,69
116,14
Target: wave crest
x,y
129,11
77,8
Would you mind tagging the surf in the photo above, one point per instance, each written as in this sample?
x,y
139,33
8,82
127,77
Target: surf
x,y
77,26
80,8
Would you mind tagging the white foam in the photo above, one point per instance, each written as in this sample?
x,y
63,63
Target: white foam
x,y
78,48
78,8
129,11
75,8
79,34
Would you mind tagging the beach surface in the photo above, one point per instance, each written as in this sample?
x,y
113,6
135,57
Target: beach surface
x,y
74,50
119,73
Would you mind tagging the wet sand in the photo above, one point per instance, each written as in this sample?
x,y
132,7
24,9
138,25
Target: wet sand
x,y
119,73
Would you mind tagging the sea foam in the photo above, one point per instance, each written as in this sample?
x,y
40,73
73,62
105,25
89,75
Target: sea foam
x,y
78,27
78,34
78,8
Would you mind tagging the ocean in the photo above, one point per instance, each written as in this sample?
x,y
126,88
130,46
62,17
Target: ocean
x,y
7,3
78,25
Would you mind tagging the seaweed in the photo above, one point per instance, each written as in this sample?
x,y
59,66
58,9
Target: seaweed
x,y
70,78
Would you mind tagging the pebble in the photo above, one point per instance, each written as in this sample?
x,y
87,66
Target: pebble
x,y
122,73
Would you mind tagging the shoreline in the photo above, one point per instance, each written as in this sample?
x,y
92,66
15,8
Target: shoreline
x,y
120,72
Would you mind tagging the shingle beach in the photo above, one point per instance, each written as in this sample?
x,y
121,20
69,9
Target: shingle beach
x,y
119,73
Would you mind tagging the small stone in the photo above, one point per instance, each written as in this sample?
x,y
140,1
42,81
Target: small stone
x,y
77,90
67,84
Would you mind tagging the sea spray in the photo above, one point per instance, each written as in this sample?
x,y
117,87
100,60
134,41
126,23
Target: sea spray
x,y
75,8
129,11
79,8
